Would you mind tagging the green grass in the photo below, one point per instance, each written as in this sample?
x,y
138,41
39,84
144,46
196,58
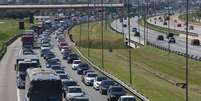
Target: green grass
x,y
149,65
8,29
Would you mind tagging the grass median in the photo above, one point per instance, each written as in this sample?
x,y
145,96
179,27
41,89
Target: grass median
x,y
8,29
152,68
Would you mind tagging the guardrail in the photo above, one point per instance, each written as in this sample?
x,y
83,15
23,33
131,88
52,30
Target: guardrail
x,y
92,63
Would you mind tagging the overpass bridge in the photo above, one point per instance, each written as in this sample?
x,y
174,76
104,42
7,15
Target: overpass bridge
x,y
65,6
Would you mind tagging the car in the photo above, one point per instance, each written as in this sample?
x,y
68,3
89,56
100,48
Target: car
x,y
134,29
67,83
179,25
172,40
79,99
56,67
44,51
104,86
114,93
49,56
160,38
62,44
65,48
53,61
195,42
60,71
124,25
74,91
89,78
84,73
97,81
81,67
63,77
127,98
75,64
72,57
66,55
170,35
137,34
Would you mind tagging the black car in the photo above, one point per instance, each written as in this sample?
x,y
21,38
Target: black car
x,y
53,61
66,55
49,56
82,67
160,38
44,51
172,40
56,67
72,57
104,86
170,35
114,92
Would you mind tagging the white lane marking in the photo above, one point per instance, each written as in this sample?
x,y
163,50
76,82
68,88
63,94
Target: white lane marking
x,y
18,94
20,51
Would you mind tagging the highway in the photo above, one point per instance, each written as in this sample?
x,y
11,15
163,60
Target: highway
x,y
152,37
64,6
173,24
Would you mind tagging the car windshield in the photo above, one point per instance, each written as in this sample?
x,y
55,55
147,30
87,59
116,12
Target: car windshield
x,y
63,76
101,78
83,65
73,55
60,72
117,89
69,83
128,99
92,75
77,62
74,90
108,83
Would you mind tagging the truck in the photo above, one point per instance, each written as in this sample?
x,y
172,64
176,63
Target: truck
x,y
28,39
43,84
23,62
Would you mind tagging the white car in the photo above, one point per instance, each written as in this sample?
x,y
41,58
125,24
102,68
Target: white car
x,y
75,64
127,98
45,46
98,81
74,91
89,78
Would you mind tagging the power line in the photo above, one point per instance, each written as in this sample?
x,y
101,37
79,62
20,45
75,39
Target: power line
x,y
187,61
102,25
129,37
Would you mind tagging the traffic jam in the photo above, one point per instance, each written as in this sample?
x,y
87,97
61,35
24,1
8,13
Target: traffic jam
x,y
40,72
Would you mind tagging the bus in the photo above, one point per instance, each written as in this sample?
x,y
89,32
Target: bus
x,y
23,62
43,84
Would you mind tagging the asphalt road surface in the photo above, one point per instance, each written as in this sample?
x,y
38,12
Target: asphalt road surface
x,y
152,37
8,91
